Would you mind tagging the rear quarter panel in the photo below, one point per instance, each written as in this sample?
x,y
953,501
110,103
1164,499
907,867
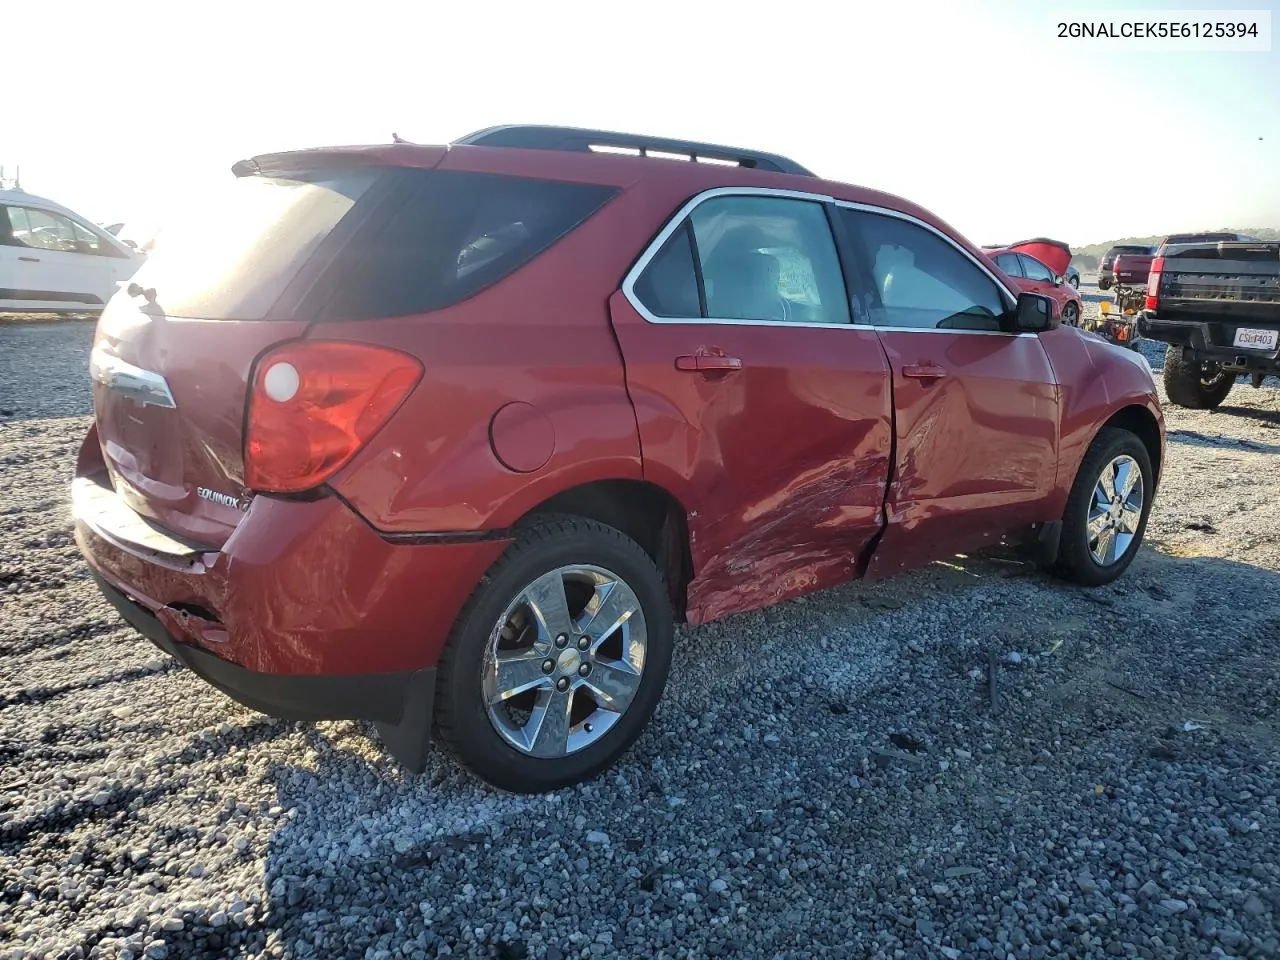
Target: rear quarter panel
x,y
539,340
537,346
1097,381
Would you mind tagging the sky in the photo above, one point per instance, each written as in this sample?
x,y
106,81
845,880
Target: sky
x,y
974,109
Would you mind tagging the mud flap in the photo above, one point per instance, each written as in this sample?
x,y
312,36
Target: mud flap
x,y
1042,547
409,740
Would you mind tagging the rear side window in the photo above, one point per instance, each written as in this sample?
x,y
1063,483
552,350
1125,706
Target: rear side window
x,y
669,286
750,258
768,258
232,252
451,235
1035,270
1008,262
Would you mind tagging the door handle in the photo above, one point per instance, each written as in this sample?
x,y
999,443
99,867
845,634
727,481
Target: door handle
x,y
708,364
923,371
29,259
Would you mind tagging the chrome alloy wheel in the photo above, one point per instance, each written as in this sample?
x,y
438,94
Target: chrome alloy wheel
x,y
1116,510
564,661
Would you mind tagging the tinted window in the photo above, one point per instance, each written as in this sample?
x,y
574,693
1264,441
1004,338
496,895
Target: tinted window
x,y
1122,250
669,285
922,280
1035,270
768,258
1008,262
233,251
454,234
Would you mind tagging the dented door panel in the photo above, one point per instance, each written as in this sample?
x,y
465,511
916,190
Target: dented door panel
x,y
781,464
976,448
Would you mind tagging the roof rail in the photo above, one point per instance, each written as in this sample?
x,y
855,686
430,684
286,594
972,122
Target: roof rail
x,y
575,140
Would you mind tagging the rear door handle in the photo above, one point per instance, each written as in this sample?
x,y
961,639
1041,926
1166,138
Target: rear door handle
x,y
708,364
923,371
29,259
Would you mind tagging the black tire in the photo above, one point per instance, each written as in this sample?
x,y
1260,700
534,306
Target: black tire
x,y
1075,561
1075,282
1186,384
1071,314
462,720
1104,284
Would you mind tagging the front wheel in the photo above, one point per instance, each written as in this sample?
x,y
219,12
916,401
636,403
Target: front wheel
x,y
1104,284
558,659
1071,314
1192,383
1074,281
1107,510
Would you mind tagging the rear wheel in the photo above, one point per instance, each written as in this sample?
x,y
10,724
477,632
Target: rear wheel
x,y
1193,383
1104,284
558,659
1074,281
1071,314
1107,510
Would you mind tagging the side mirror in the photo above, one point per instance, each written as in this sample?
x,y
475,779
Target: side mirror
x,y
1058,281
1033,314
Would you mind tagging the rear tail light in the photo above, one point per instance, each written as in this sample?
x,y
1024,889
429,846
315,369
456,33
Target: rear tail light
x,y
314,404
1153,283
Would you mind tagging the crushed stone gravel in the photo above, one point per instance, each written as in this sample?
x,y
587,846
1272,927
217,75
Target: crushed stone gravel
x,y
824,778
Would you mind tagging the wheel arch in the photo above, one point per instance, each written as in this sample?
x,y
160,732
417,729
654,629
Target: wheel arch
x,y
1140,421
645,512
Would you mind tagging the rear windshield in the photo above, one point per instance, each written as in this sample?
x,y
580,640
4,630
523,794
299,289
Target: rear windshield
x,y
232,251
434,239
450,235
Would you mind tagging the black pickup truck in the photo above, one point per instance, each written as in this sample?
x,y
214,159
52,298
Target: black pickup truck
x,y
1217,306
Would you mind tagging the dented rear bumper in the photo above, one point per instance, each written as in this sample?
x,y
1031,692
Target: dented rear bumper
x,y
300,588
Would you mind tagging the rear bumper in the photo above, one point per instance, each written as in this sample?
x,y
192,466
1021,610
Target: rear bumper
x,y
401,704
376,696
1209,343
302,589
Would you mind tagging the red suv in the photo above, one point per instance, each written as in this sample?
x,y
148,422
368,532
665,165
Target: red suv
x,y
448,438
1031,273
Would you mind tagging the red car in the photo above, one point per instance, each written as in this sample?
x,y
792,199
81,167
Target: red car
x,y
1040,266
450,437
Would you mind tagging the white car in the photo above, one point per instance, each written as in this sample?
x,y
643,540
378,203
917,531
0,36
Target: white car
x,y
54,260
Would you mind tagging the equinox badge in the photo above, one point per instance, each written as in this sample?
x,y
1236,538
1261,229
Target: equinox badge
x,y
213,496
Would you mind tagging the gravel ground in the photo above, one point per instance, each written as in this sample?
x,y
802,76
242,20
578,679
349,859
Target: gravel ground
x,y
830,777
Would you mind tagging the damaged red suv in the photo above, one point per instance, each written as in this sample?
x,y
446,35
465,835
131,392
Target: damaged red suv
x,y
449,438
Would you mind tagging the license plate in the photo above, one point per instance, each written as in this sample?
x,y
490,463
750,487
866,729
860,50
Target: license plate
x,y
1255,339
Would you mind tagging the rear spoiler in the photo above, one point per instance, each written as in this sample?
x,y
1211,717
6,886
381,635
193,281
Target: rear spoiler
x,y
320,158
